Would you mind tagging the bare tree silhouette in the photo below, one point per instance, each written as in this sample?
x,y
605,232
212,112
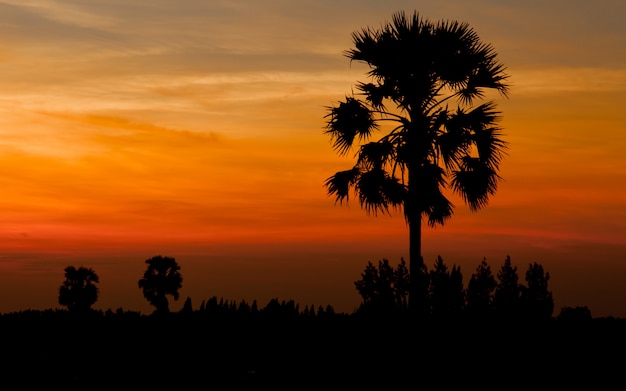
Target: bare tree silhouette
x,y
79,292
161,278
425,80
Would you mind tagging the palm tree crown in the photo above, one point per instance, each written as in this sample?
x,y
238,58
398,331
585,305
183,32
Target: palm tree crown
x,y
425,81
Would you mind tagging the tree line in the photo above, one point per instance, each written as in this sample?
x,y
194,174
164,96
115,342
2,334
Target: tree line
x,y
385,289
226,340
161,279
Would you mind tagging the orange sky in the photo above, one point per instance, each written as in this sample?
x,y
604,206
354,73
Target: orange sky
x,y
194,129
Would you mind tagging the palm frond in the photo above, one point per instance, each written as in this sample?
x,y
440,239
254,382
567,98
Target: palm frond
x,y
465,64
440,210
475,181
375,154
482,116
490,145
340,184
348,120
379,192
365,44
375,94
491,75
452,53
454,141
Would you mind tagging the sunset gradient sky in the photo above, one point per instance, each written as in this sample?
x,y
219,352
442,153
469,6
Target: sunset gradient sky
x,y
194,129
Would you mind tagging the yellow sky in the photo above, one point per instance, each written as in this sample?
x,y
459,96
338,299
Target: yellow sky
x,y
194,129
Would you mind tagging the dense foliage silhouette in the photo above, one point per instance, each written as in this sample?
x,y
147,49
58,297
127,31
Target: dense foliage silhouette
x,y
480,290
536,297
383,287
162,278
427,80
446,293
507,297
484,299
282,345
79,290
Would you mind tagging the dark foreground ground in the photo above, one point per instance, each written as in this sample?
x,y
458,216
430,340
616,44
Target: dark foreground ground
x,y
50,351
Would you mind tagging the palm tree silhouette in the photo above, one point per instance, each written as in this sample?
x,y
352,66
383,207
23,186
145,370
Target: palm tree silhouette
x,y
425,80
79,292
161,278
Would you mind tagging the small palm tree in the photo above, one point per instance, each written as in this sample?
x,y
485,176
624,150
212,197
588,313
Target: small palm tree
x,y
79,292
161,278
425,81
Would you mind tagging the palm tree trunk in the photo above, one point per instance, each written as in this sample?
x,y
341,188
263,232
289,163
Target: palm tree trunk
x,y
418,282
418,278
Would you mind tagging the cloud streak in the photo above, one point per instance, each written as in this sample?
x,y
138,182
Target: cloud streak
x,y
64,13
556,80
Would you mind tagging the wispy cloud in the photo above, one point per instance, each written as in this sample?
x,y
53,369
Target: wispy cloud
x,y
556,80
209,96
64,13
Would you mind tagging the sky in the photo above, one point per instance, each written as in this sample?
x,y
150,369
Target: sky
x,y
195,129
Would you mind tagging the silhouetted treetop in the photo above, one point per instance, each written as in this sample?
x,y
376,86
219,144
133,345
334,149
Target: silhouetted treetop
x,y
447,295
480,290
508,290
79,291
383,288
161,279
536,297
